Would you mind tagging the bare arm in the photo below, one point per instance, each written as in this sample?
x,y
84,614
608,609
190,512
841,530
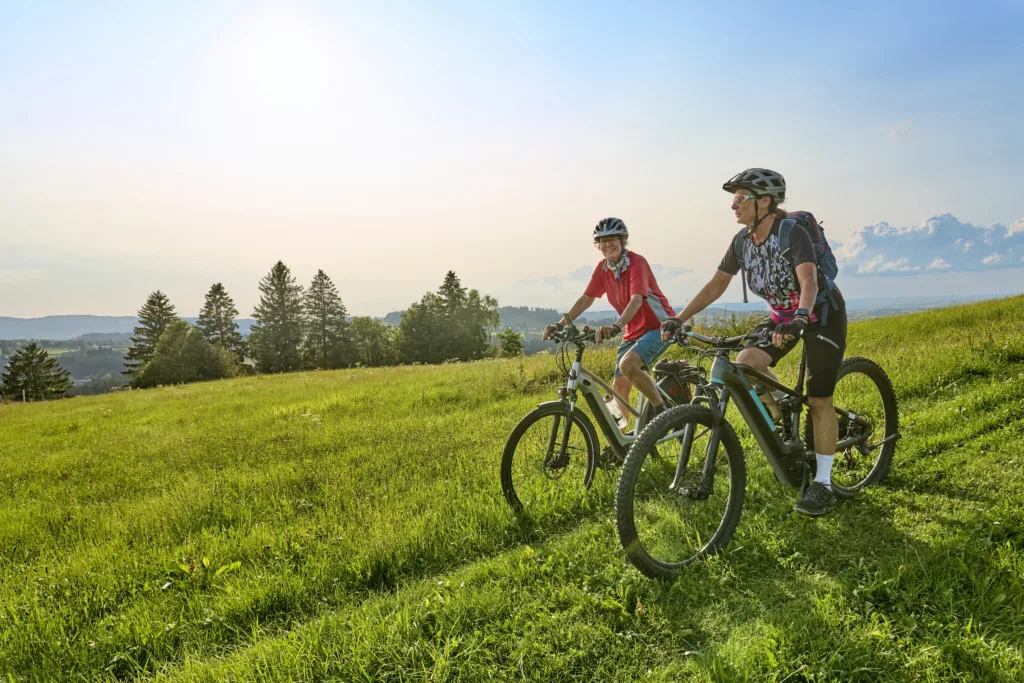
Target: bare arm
x,y
582,304
635,302
808,278
708,295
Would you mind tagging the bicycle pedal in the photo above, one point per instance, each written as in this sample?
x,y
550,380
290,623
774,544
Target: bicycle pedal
x,y
699,493
609,459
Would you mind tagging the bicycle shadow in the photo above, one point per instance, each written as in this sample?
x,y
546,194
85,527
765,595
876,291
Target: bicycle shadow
x,y
853,596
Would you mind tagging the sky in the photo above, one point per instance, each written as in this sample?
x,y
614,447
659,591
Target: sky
x,y
174,145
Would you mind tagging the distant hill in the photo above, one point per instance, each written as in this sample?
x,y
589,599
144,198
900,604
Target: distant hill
x,y
525,318
60,327
519,318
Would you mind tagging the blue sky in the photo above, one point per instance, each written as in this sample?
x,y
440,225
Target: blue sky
x,y
171,147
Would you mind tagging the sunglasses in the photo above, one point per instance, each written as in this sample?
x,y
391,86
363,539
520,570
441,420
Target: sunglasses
x,y
740,198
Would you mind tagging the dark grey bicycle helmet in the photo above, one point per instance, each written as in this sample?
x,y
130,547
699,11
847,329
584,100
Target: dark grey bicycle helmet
x,y
610,226
760,181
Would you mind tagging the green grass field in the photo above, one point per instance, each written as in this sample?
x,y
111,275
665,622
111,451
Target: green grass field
x,y
350,526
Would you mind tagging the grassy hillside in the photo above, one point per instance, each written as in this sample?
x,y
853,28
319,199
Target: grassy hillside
x,y
349,526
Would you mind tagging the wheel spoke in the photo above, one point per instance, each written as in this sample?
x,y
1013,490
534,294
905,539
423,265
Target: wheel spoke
x,y
545,476
670,526
866,413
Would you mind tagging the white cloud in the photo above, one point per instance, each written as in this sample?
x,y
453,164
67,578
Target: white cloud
x,y
939,243
879,265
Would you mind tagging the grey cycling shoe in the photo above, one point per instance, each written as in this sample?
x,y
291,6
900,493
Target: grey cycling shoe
x,y
817,500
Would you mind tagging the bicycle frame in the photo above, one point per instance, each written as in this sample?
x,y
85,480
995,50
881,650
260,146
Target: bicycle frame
x,y
583,381
733,380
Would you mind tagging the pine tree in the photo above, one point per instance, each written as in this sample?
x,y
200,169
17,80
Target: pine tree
x,y
453,324
452,293
274,341
328,337
154,317
36,373
217,321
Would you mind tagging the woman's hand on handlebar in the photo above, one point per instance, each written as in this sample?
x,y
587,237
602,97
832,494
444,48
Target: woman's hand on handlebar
x,y
606,332
548,329
670,327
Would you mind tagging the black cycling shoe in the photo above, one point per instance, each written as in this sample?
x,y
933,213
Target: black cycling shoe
x,y
817,500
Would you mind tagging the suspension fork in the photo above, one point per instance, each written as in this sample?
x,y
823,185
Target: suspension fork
x,y
570,398
711,454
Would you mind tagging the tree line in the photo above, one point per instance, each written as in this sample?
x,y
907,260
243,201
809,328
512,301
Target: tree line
x,y
296,329
301,328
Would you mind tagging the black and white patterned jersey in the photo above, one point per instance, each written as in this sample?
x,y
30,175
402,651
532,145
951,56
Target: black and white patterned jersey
x,y
771,274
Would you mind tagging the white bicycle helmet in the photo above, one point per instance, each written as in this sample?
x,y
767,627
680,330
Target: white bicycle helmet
x,y
610,226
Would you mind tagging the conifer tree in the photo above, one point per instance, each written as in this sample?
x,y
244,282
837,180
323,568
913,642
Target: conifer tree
x,y
154,317
34,374
328,337
217,321
275,339
452,324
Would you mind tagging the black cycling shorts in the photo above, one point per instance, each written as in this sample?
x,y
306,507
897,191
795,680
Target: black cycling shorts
x,y
825,344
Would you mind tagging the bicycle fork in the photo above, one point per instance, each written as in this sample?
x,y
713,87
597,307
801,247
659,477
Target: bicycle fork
x,y
707,480
570,395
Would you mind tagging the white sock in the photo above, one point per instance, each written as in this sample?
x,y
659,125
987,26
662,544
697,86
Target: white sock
x,y
824,473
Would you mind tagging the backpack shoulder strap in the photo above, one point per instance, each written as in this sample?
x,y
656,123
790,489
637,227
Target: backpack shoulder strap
x,y
785,230
737,250
737,245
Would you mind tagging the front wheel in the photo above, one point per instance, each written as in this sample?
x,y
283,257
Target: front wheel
x,y
867,440
673,510
537,473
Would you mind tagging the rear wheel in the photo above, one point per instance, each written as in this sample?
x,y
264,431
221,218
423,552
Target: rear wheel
x,y
537,473
868,425
673,510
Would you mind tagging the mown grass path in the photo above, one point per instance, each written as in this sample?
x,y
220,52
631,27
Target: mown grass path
x,y
349,526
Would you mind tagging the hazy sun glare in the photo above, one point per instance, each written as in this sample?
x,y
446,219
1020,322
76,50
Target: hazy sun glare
x,y
278,58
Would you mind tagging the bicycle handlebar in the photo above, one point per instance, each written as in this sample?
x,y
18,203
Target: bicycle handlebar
x,y
717,342
571,334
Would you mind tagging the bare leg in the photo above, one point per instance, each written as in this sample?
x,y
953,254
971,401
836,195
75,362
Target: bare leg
x,y
757,359
632,367
760,360
622,387
826,425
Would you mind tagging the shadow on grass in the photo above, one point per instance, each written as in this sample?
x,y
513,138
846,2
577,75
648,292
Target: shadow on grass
x,y
855,597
